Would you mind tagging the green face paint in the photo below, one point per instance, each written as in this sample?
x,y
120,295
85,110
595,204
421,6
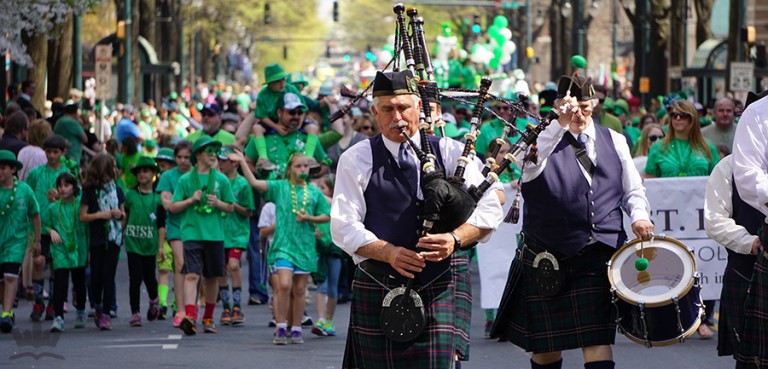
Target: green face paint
x,y
304,176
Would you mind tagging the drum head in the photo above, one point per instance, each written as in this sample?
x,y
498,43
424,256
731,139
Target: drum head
x,y
670,272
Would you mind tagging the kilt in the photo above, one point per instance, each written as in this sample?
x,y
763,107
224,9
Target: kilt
x,y
731,320
368,348
462,300
753,346
580,315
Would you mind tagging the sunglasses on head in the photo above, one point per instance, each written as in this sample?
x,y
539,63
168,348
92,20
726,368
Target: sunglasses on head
x,y
296,111
679,115
653,138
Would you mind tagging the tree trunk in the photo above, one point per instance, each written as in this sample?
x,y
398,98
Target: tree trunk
x,y
147,21
703,20
135,65
657,62
60,62
37,47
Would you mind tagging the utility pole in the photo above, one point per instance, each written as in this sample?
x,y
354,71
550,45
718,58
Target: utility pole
x,y
126,88
77,53
578,25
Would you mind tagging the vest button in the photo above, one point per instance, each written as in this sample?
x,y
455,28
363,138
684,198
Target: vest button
x,y
591,192
593,226
592,202
593,214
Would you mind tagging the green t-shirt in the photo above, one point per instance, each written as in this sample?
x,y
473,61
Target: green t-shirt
x,y
71,129
294,240
222,136
41,179
492,130
14,221
168,183
267,99
238,227
64,218
196,226
141,229
279,149
678,160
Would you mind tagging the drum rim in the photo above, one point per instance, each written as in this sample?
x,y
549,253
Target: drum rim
x,y
625,298
687,334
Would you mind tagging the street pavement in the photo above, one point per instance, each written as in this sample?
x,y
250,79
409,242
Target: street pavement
x,y
158,345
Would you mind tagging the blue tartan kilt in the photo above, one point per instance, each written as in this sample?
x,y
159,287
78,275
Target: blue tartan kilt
x,y
580,315
731,321
368,348
753,344
462,301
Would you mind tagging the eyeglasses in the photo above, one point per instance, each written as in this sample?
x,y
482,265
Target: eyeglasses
x,y
296,112
679,115
366,128
653,138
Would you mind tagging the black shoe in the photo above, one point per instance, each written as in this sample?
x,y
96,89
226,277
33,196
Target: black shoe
x,y
307,321
343,299
163,311
255,301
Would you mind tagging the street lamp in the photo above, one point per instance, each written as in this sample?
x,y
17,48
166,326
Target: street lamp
x,y
567,9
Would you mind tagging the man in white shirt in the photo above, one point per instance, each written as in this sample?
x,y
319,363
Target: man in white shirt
x,y
750,172
374,218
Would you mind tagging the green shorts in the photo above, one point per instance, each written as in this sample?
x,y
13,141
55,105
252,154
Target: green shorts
x,y
166,264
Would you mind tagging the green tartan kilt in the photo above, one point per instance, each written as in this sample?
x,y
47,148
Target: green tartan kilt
x,y
753,345
580,315
731,321
462,299
368,348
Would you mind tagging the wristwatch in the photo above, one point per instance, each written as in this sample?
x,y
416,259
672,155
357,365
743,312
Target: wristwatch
x,y
456,241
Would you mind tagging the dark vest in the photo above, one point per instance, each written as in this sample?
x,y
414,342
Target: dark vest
x,y
392,209
563,212
751,219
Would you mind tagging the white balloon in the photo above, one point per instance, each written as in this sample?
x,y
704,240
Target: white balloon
x,y
507,33
509,48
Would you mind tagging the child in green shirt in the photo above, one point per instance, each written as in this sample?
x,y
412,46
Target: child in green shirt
x,y
299,206
238,233
18,209
166,161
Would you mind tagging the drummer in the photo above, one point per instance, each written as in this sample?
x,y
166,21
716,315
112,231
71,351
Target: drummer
x,y
374,219
573,214
750,172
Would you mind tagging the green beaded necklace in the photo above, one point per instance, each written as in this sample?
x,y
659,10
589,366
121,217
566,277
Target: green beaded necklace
x,y
9,204
202,205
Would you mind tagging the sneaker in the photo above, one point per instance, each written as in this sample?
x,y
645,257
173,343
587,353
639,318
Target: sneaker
x,y
255,301
329,329
189,326
177,319
318,329
105,323
237,316
135,320
272,323
226,318
209,326
296,337
307,321
80,320
58,324
154,311
280,337
6,323
97,319
113,314
49,313
163,312
37,312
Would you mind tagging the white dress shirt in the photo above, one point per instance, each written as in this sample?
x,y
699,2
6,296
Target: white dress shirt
x,y
352,177
718,209
750,155
635,202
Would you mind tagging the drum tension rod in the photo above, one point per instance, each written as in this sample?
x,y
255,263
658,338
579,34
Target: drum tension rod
x,y
679,322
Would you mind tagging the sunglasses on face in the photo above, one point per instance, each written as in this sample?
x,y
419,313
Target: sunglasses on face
x,y
366,128
679,115
296,112
653,138
212,150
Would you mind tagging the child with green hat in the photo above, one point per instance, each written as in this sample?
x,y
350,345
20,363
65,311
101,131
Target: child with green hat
x,y
144,226
165,161
18,210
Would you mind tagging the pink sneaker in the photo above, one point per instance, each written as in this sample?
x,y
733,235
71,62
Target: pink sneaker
x,y
135,320
177,319
105,324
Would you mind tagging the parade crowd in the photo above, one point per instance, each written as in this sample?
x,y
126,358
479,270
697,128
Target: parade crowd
x,y
189,187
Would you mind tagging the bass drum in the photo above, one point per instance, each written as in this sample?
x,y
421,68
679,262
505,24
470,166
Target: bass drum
x,y
659,305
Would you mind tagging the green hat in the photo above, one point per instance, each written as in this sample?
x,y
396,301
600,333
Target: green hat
x,y
173,95
273,72
8,157
144,162
200,144
223,153
166,153
151,144
297,79
620,107
608,104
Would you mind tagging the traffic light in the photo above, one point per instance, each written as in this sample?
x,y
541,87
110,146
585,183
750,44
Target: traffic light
x,y
267,14
335,11
476,28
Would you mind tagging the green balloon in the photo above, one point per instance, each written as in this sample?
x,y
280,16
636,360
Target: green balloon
x,y
500,21
493,31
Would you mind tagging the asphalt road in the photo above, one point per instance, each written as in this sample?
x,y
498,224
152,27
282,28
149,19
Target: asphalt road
x,y
159,345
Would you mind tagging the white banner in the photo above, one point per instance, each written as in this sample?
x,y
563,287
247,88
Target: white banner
x,y
677,210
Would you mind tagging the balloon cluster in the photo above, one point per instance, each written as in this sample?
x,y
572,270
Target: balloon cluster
x,y
500,49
